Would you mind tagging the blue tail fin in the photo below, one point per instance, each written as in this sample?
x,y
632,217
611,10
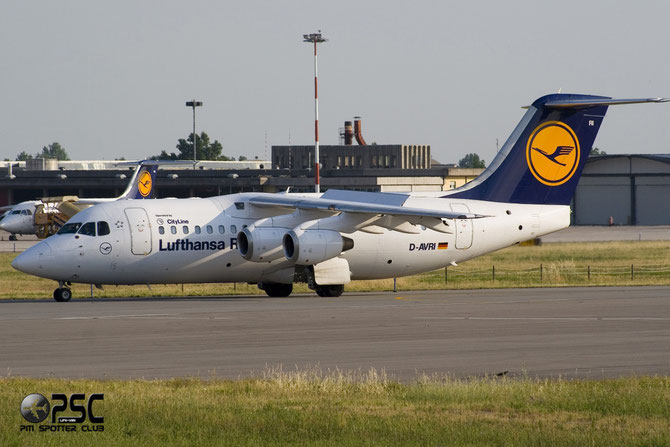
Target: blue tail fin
x,y
542,160
141,185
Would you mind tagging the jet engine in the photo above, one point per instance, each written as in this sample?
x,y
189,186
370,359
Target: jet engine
x,y
261,244
313,246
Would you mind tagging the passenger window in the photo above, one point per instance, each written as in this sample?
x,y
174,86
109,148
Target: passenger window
x,y
197,229
103,228
69,228
161,230
185,229
209,229
233,229
173,229
88,229
222,229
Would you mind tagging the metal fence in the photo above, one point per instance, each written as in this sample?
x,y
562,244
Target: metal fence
x,y
553,272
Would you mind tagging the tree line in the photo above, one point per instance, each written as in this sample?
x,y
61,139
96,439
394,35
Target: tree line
x,y
205,150
53,150
212,150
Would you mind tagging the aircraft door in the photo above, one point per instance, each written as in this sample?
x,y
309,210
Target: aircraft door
x,y
140,231
463,227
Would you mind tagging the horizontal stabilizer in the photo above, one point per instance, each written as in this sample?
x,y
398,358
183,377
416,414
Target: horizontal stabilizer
x,y
584,103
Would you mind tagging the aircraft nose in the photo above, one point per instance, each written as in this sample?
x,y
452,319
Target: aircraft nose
x,y
29,260
4,224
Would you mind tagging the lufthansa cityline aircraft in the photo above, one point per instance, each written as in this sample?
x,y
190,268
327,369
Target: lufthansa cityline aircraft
x,y
20,219
329,239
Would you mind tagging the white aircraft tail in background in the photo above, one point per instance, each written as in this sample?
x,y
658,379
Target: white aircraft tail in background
x,y
21,218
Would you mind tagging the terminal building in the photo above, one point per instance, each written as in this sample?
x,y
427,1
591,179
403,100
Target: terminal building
x,y
22,183
629,189
384,156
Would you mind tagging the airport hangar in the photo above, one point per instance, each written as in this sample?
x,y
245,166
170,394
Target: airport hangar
x,y
632,189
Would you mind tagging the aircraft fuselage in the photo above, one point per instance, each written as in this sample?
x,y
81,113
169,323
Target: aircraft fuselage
x,y
195,240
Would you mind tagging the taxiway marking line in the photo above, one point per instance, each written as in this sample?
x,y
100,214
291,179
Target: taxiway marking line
x,y
95,317
548,318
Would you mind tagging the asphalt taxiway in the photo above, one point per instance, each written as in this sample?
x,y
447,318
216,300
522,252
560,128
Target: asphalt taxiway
x,y
569,332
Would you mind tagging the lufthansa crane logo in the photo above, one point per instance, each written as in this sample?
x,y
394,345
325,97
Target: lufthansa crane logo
x,y
144,184
552,153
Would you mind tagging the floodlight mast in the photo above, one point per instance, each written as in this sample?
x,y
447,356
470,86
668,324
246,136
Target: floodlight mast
x,y
194,104
315,38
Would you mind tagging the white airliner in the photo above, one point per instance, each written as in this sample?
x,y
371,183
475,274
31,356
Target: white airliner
x,y
20,219
329,239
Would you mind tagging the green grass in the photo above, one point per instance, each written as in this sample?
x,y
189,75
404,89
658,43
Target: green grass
x,y
563,264
338,409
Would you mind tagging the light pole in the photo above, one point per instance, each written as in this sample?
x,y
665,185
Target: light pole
x,y
194,104
315,38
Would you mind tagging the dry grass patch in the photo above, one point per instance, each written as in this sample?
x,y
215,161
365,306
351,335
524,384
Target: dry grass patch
x,y
314,407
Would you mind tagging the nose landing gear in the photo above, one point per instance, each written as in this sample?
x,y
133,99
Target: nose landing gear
x,y
62,293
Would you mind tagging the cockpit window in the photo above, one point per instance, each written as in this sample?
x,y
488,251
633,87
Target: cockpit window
x,y
26,213
88,229
16,212
103,228
69,228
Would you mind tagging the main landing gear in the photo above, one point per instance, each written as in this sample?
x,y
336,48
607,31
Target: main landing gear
x,y
283,290
62,293
275,289
333,290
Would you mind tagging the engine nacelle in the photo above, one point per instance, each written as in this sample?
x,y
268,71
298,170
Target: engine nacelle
x,y
313,246
261,244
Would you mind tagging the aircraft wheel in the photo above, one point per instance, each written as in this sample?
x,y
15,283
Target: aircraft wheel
x,y
12,237
62,294
278,290
330,291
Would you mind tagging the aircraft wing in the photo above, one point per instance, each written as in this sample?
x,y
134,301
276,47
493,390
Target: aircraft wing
x,y
340,205
349,211
94,201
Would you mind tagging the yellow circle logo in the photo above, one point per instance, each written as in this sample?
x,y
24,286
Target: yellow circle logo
x,y
144,184
552,153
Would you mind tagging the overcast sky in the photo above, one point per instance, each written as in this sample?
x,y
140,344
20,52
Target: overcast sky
x,y
109,79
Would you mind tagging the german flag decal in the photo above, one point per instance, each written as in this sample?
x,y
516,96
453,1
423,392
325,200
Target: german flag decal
x,y
443,245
